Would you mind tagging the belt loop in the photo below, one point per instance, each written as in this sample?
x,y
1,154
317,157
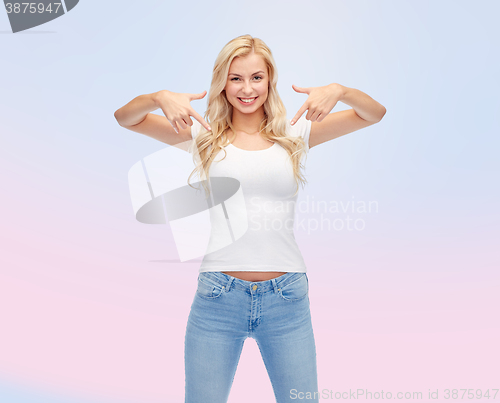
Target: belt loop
x,y
275,286
228,284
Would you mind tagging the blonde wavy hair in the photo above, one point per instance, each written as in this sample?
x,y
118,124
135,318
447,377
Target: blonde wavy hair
x,y
219,111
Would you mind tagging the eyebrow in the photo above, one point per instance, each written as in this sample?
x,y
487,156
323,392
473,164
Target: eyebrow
x,y
234,74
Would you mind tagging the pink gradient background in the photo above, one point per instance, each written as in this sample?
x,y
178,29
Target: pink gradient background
x,y
91,305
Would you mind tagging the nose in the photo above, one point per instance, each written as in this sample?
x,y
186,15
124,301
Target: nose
x,y
247,89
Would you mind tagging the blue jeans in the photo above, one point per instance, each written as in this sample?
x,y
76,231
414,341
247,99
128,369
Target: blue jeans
x,y
225,311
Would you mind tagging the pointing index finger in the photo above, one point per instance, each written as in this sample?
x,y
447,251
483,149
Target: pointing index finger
x,y
299,114
201,120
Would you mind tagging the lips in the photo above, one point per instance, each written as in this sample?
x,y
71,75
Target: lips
x,y
247,103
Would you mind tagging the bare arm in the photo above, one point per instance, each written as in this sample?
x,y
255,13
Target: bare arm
x,y
173,128
136,110
364,105
326,126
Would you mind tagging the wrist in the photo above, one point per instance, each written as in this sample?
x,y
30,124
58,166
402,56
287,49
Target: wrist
x,y
155,97
341,90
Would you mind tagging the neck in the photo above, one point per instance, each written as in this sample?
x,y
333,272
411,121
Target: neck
x,y
247,122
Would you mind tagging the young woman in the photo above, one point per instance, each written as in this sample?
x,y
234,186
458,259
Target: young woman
x,y
256,286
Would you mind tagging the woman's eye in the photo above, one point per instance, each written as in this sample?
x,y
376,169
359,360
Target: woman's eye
x,y
237,78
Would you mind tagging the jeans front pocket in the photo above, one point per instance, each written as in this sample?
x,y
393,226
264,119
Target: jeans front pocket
x,y
209,288
296,290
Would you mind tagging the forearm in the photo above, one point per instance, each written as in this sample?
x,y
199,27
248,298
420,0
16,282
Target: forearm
x,y
364,105
136,110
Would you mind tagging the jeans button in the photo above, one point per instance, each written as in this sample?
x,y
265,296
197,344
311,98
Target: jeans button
x,y
254,287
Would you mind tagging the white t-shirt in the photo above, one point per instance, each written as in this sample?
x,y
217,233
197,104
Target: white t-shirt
x,y
268,184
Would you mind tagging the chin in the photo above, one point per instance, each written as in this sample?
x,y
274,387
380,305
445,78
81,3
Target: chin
x,y
243,109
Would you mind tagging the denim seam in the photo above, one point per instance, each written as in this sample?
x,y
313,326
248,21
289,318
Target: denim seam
x,y
237,361
275,285
228,285
286,283
268,370
295,299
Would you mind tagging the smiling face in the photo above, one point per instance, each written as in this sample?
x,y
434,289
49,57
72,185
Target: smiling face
x,y
247,79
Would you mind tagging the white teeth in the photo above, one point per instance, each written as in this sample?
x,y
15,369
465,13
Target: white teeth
x,y
247,100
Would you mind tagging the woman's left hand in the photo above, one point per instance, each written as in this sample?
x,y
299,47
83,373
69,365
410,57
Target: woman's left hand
x,y
320,102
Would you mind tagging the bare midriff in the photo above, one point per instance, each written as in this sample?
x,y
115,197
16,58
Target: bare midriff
x,y
255,275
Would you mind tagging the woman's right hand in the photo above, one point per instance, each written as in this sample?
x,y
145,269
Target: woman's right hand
x,y
177,108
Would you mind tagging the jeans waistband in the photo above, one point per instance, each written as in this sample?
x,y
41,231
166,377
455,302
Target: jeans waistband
x,y
229,282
